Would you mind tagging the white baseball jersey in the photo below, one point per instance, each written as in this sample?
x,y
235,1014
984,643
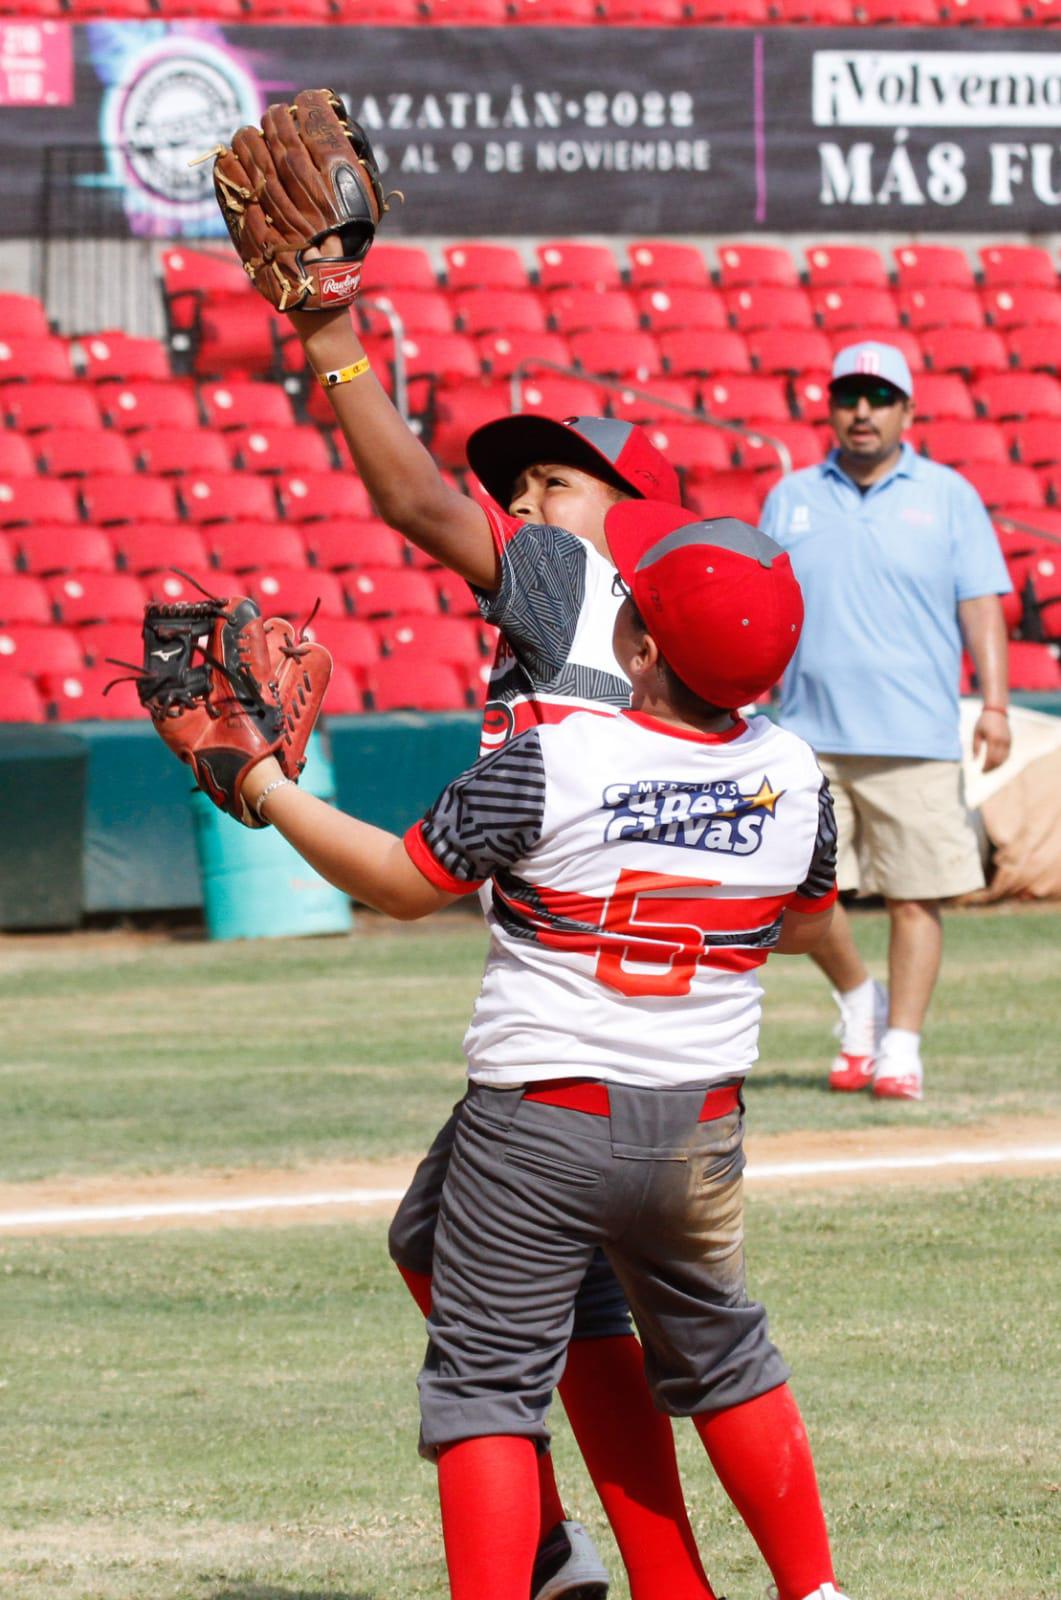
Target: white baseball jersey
x,y
639,874
555,609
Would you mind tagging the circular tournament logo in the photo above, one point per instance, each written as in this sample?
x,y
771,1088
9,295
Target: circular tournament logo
x,y
176,102
499,721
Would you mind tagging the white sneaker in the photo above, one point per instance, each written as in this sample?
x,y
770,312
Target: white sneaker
x,y
567,1566
827,1591
899,1076
860,1031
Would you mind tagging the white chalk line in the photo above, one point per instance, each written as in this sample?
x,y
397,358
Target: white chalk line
x,y
764,1172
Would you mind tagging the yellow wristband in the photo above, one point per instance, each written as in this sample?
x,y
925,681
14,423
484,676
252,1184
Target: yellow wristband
x,y
331,380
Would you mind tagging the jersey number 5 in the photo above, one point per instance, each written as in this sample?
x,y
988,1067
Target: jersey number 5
x,y
649,923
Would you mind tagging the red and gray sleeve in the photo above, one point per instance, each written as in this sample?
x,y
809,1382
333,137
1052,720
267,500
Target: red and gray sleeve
x,y
489,817
818,889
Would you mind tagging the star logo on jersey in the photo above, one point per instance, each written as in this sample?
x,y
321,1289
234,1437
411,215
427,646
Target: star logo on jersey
x,y
719,817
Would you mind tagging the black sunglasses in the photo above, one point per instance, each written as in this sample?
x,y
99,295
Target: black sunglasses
x,y
619,589
880,395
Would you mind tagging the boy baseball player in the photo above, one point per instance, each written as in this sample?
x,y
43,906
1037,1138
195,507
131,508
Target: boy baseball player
x,y
640,868
539,565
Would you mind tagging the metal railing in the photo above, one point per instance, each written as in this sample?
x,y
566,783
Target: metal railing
x,y
618,386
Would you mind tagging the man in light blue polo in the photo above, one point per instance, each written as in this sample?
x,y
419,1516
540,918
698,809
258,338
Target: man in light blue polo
x,y
899,565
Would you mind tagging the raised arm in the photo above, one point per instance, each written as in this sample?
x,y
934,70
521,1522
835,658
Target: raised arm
x,y
405,485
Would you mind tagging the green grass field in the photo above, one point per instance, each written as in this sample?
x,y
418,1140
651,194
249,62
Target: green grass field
x,y
231,1415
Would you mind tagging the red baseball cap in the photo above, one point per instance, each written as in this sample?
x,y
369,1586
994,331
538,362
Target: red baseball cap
x,y
619,452
718,596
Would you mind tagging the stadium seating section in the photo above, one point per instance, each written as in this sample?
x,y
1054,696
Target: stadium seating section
x,y
559,13
211,451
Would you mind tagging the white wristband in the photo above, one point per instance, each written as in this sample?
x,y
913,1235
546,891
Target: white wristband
x,y
277,783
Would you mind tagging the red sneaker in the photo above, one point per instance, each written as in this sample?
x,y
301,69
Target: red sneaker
x,y
849,1073
891,1084
860,1030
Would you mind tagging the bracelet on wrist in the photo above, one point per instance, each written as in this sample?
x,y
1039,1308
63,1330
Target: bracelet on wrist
x,y
331,380
270,788
1002,711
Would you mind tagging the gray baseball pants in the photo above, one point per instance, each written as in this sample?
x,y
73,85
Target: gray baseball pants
x,y
531,1192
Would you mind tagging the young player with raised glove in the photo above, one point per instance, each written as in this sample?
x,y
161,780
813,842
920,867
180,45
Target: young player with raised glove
x,y
539,566
640,869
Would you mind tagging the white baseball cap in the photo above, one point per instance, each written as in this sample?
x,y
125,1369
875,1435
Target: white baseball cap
x,y
872,360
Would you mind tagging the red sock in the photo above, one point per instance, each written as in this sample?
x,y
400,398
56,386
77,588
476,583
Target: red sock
x,y
419,1286
488,1492
628,1448
762,1456
552,1507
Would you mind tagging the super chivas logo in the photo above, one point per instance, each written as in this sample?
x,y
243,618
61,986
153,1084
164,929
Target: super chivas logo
x,y
717,816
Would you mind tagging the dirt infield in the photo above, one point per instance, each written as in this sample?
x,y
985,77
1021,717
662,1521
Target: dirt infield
x,y
361,1190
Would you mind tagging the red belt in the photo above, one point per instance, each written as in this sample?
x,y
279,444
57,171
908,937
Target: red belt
x,y
579,1094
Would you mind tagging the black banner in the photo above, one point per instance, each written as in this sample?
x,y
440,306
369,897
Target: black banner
x,y
580,130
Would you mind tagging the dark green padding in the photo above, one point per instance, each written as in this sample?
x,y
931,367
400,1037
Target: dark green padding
x,y
43,777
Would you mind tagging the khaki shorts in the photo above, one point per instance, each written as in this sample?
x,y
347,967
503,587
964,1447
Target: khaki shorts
x,y
903,827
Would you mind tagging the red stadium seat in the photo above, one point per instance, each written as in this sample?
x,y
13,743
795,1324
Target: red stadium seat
x,y
44,550
298,449
933,266
641,404
768,306
476,265
109,498
692,446
397,266
664,262
810,395
622,355
986,13
1019,305
1034,440
500,353
399,684
166,452
912,13
248,546
157,546
190,583
35,647
759,264
23,316
455,598
566,262
36,500
940,308
964,350
7,555
32,360
32,406
574,310
235,333
552,395
831,266
96,597
351,640
293,592
292,12
460,408
943,394
957,442
440,355
822,13
189,276
1033,667
1017,394
454,640
89,694
852,309
1034,347
73,452
344,542
485,310
419,310
1004,483
1026,264
643,13
131,406
227,497
307,495
680,306
789,349
104,643
382,591
118,355
703,352
20,700
23,599
729,494
801,439
242,403
739,398
17,459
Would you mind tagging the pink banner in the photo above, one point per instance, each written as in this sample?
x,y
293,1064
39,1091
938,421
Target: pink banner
x,y
36,64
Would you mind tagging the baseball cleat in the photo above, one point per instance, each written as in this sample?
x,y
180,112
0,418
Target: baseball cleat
x,y
892,1084
827,1591
860,1029
567,1566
